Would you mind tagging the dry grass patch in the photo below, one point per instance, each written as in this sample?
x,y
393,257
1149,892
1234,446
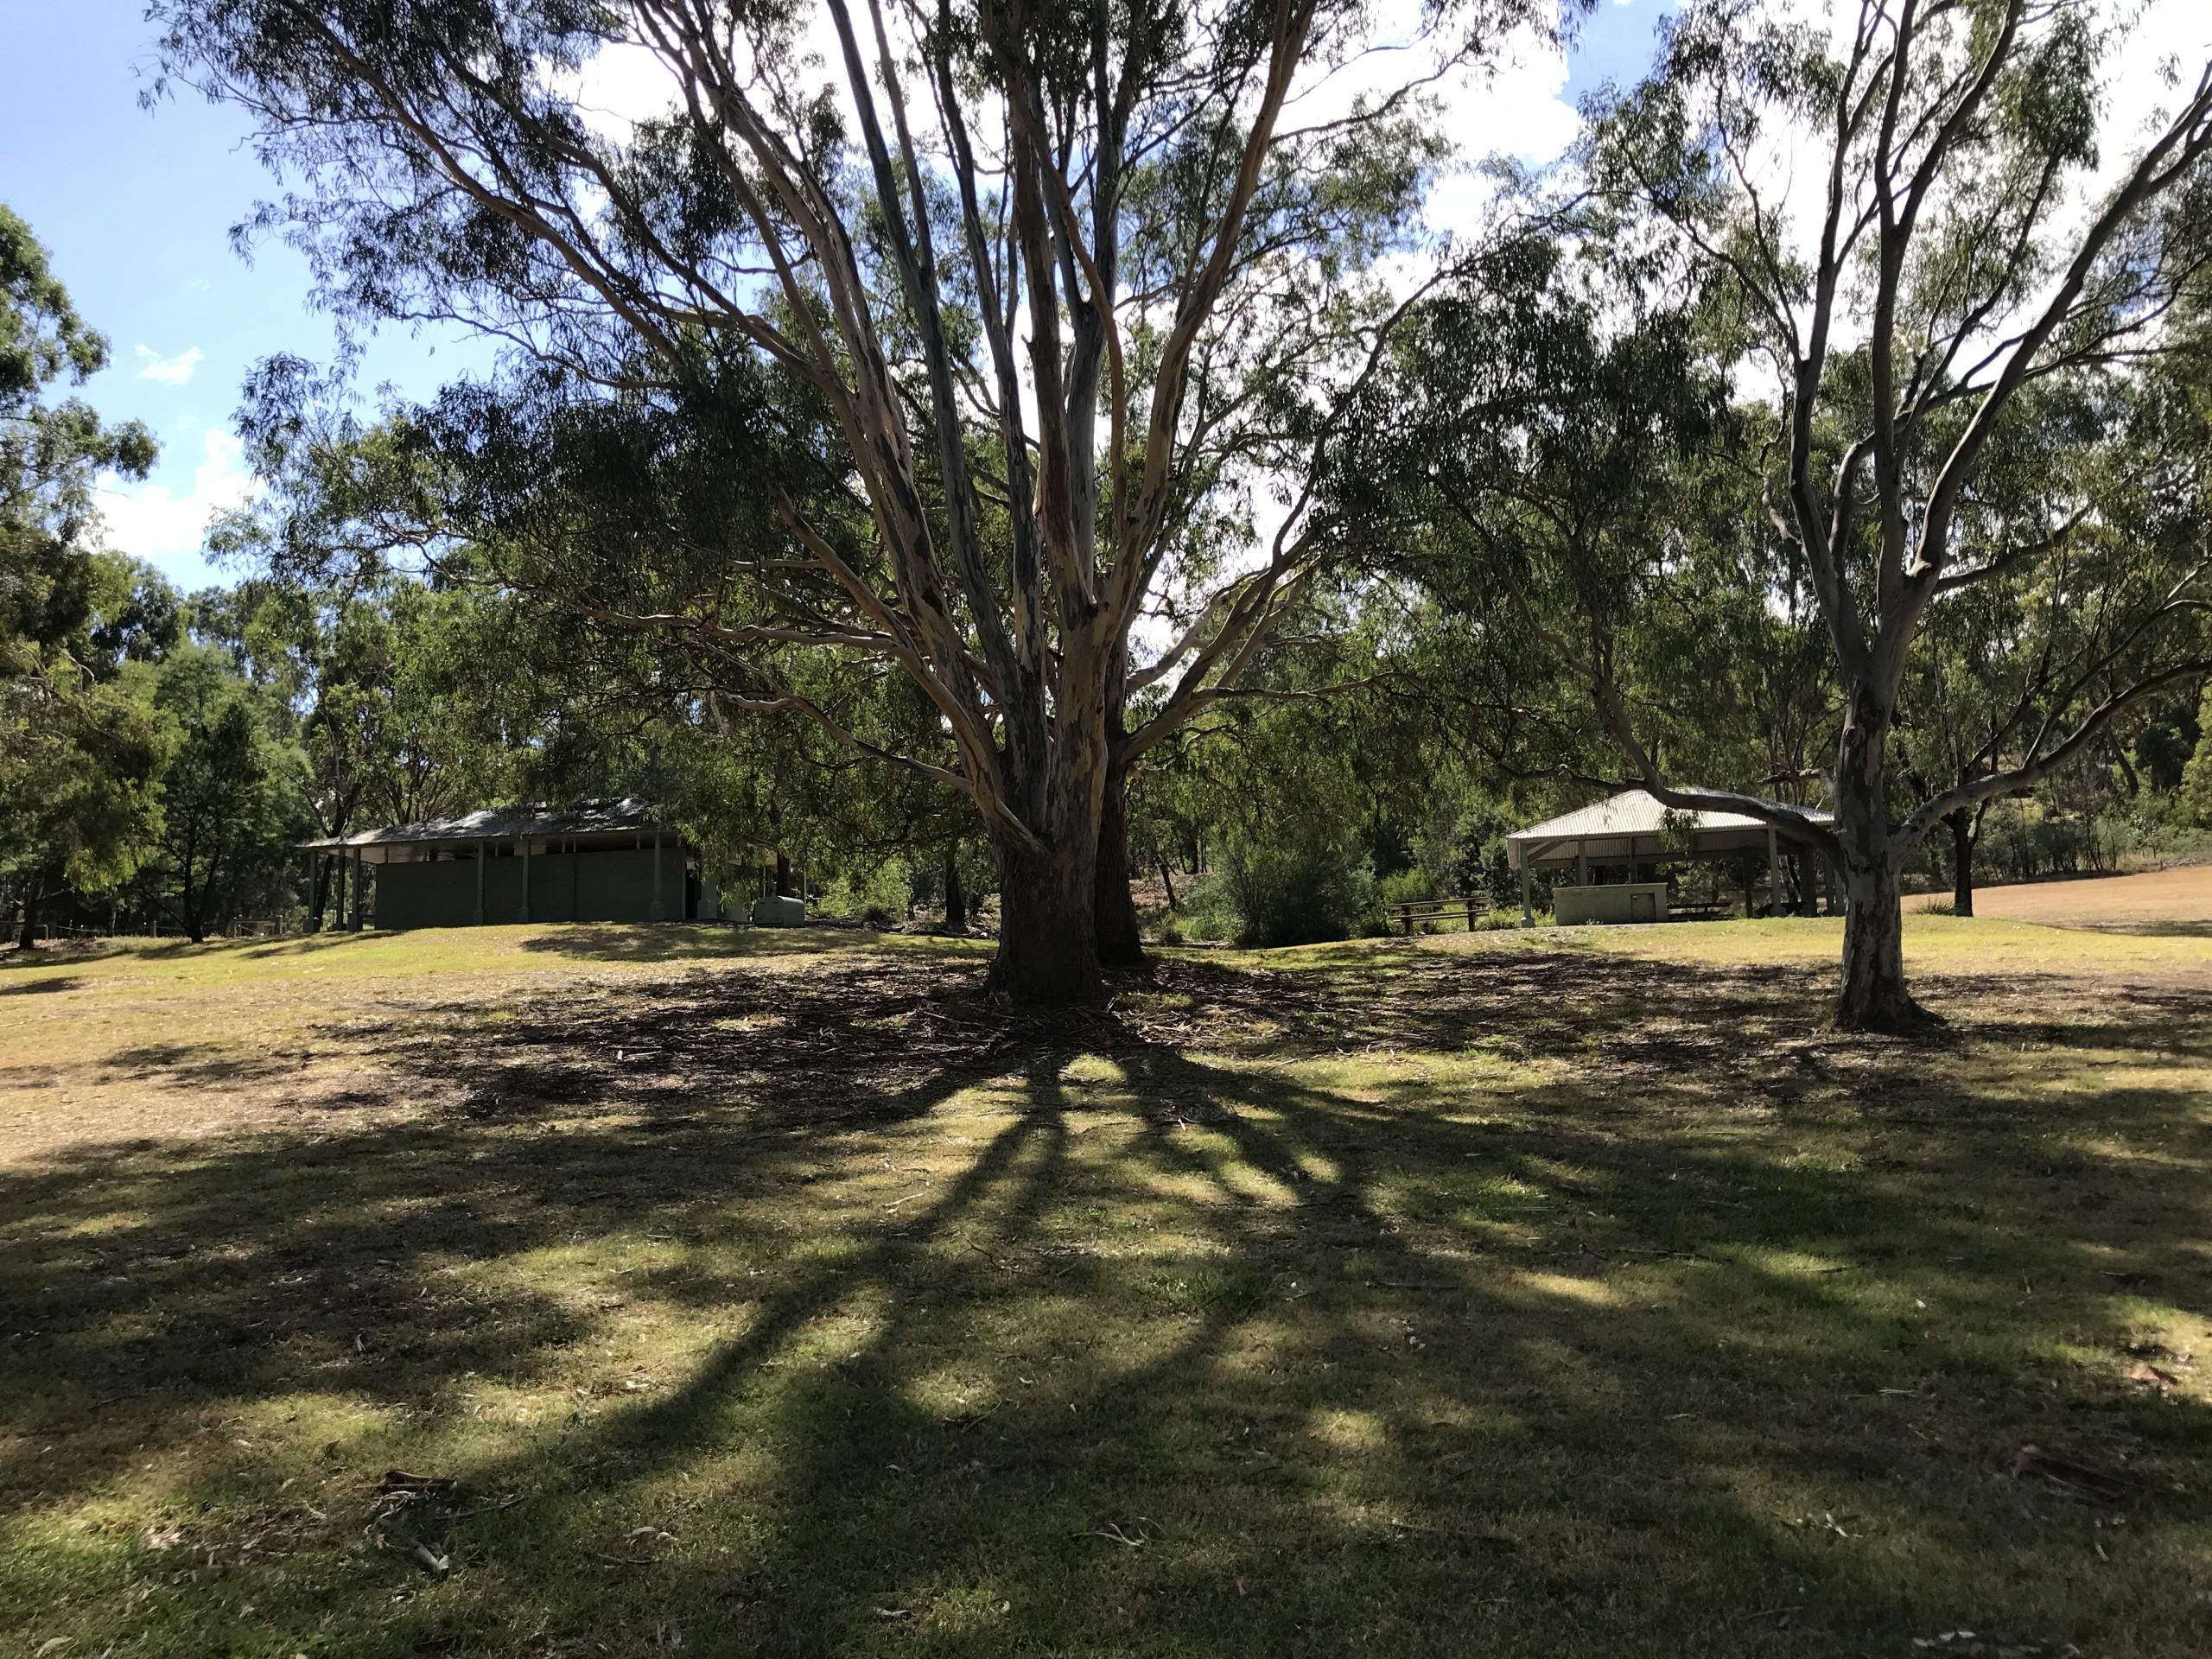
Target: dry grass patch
x,y
2154,902
1519,1297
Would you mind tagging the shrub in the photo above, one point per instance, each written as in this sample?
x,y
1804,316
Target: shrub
x,y
1413,885
1302,885
879,896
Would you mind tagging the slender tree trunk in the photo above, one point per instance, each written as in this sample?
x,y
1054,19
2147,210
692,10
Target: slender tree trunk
x,y
1963,840
783,874
956,898
1120,943
28,938
1168,881
1873,995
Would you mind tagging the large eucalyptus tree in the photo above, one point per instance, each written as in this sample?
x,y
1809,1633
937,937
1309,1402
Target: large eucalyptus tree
x,y
1074,286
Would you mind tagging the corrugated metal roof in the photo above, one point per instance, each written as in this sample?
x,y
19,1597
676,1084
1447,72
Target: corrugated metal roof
x,y
1632,812
508,824
1611,829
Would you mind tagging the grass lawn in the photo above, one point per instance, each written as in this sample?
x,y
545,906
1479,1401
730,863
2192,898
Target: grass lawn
x,y
569,1291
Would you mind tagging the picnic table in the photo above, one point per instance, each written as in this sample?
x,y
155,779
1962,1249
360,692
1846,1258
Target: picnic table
x,y
1436,910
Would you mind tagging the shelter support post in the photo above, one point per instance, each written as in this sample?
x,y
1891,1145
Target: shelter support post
x,y
1527,908
525,844
354,922
480,884
1773,873
658,912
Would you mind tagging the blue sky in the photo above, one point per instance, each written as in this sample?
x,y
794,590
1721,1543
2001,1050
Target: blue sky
x,y
136,207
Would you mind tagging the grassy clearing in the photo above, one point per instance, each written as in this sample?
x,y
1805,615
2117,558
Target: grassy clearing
x,y
1522,1295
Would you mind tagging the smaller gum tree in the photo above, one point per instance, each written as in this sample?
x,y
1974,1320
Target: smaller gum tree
x,y
1985,221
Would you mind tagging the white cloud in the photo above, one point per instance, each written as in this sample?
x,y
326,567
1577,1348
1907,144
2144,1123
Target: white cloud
x,y
171,370
152,522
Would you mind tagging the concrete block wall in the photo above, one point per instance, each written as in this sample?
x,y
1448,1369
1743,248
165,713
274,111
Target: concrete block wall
x,y
1616,903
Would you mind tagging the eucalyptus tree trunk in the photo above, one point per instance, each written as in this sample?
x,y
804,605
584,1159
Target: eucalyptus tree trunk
x,y
1872,994
956,898
1964,833
1120,942
1048,884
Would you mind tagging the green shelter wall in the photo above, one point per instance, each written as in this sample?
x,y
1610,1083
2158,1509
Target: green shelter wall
x,y
612,884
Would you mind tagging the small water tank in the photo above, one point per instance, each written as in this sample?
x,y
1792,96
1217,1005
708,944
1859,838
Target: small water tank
x,y
779,910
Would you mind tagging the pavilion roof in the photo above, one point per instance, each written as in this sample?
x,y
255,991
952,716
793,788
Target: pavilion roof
x,y
622,818
1611,829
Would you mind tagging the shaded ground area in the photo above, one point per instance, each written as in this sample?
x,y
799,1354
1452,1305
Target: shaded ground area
x,y
2159,901
1502,1298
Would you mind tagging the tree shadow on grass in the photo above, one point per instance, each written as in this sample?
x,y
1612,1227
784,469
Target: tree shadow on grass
x,y
1509,1306
61,982
724,941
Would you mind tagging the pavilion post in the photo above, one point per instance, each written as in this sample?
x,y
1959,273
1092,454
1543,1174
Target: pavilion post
x,y
658,912
354,922
524,915
1773,873
1527,907
480,884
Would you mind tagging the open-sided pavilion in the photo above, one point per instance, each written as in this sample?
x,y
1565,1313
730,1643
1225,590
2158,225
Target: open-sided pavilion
x,y
596,861
1633,830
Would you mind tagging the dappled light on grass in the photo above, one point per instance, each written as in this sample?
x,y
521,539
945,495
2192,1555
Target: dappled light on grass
x,y
1516,1301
